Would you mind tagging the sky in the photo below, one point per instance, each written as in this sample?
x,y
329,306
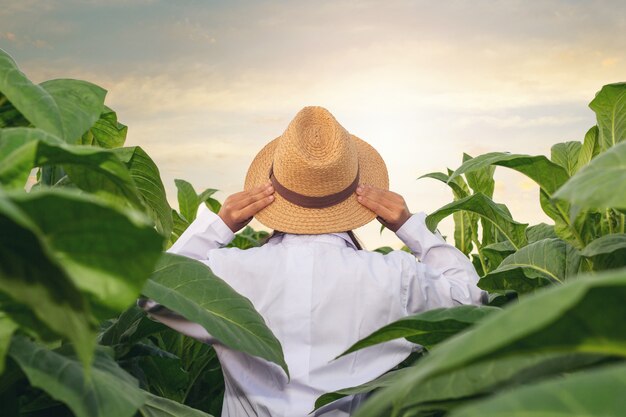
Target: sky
x,y
203,85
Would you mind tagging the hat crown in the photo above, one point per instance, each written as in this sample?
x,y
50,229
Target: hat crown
x,y
315,155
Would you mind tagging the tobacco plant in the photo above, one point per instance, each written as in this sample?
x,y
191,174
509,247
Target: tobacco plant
x,y
83,225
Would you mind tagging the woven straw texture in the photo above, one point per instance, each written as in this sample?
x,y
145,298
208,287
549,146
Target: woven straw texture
x,y
316,156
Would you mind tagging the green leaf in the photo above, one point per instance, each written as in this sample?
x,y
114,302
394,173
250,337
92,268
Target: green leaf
x,y
563,318
162,407
107,132
30,275
145,174
464,228
596,185
109,391
130,327
7,328
533,266
188,201
605,245
477,379
79,103
608,251
487,209
539,232
179,227
481,179
457,189
190,288
91,169
590,148
610,108
566,154
540,169
598,392
427,328
31,100
107,253
497,252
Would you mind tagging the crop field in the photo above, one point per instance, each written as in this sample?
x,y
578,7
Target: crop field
x,y
87,239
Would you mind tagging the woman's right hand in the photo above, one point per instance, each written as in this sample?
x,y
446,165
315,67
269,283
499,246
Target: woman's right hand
x,y
390,207
239,208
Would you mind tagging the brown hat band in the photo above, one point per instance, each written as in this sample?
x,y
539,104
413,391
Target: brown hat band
x,y
313,202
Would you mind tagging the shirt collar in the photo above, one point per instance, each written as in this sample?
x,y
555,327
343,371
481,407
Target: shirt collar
x,y
338,239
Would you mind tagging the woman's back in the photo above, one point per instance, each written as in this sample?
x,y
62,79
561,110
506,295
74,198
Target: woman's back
x,y
319,295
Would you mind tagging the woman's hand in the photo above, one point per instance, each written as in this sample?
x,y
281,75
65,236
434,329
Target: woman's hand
x,y
390,207
239,208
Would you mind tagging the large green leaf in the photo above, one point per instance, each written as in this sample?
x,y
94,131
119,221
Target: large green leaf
x,y
590,148
107,253
95,170
162,407
427,328
566,154
598,392
191,289
80,104
564,318
533,266
31,100
107,132
598,185
477,379
109,390
30,275
547,174
146,176
610,108
487,209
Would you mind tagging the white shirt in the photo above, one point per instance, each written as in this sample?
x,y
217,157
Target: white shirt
x,y
319,295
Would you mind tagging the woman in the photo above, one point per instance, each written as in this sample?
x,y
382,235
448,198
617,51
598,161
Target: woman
x,y
315,288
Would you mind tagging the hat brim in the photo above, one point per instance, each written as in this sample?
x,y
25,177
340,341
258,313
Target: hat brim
x,y
347,215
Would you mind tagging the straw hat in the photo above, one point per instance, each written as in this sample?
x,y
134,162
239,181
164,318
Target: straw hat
x,y
315,167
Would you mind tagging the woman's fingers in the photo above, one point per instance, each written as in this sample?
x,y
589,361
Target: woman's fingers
x,y
253,208
390,207
247,198
239,208
376,204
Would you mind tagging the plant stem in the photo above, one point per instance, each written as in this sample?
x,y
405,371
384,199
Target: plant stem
x,y
480,255
608,220
622,222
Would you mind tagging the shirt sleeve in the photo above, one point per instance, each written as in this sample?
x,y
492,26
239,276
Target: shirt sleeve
x,y
207,232
444,277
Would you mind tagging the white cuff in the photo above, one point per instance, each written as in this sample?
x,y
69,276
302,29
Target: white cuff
x,y
207,232
416,235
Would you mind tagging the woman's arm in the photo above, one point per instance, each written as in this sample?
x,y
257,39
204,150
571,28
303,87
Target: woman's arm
x,y
208,231
444,277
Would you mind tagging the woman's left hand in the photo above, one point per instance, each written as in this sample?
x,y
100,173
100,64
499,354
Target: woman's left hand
x,y
390,207
239,208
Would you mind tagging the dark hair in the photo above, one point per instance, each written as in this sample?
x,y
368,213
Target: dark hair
x,y
353,237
